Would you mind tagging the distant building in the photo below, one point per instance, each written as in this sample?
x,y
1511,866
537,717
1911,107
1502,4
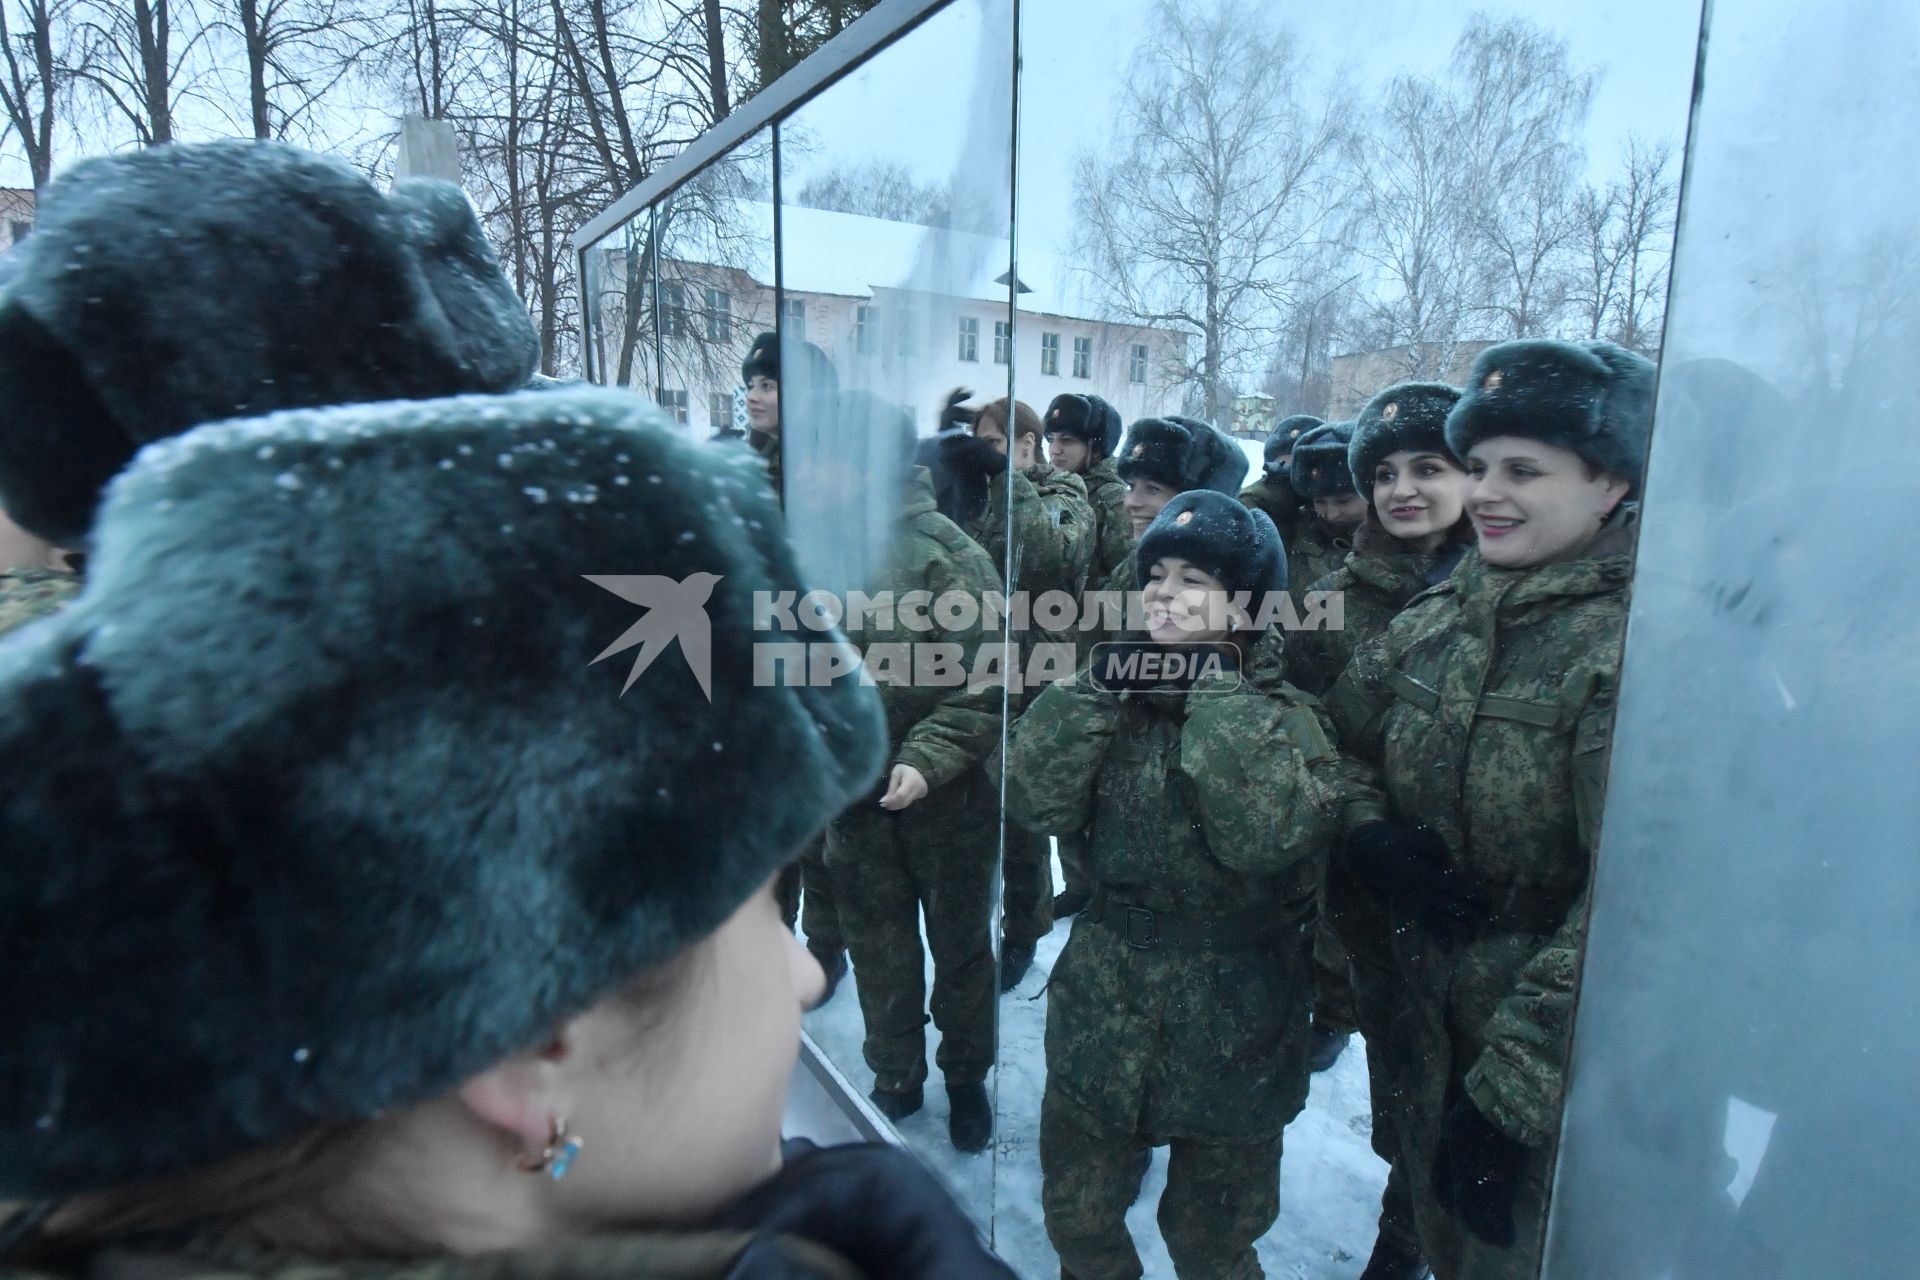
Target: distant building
x,y
16,215
905,311
1359,376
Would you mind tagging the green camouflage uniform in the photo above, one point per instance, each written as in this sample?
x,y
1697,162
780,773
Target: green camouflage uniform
x,y
1105,493
1355,982
1313,552
1488,707
1206,813
26,594
1281,501
1055,533
936,855
805,888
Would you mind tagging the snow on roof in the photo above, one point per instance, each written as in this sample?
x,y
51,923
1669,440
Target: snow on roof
x,y
854,256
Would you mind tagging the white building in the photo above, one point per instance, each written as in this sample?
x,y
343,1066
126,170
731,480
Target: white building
x,y
905,311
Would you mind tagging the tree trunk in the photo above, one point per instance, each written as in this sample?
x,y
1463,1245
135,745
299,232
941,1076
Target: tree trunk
x,y
716,60
150,19
257,53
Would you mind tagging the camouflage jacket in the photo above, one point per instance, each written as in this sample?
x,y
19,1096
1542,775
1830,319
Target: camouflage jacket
x,y
1374,583
1053,529
1210,806
1313,552
26,594
941,730
1114,542
768,448
1487,706
1280,501
1103,609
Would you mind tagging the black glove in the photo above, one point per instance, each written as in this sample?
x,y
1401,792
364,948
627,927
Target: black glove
x,y
1476,1173
956,416
1409,865
971,456
876,1206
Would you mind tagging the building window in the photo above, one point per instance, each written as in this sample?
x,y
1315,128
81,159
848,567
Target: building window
x,y
1050,353
675,403
1002,342
969,338
906,334
719,315
793,318
1137,367
1083,357
866,329
673,309
720,410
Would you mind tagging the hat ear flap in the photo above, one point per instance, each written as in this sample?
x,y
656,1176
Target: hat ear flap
x,y
63,446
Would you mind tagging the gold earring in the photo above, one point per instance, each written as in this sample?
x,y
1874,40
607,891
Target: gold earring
x,y
561,1151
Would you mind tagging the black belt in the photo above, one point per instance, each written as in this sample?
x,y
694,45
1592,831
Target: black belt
x,y
1150,929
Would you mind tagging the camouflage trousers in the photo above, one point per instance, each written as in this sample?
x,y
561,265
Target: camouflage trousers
x,y
888,870
805,890
1332,995
1220,1197
1026,895
1375,993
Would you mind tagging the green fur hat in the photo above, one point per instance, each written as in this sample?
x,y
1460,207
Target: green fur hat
x,y
1319,468
185,284
1236,544
321,797
1182,453
1410,416
1594,398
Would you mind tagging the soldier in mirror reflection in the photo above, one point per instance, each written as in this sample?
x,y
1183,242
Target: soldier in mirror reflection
x,y
1273,491
774,360
1050,537
1178,1011
1486,708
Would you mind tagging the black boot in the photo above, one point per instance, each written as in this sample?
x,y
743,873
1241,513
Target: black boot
x,y
969,1117
1070,903
1326,1048
897,1104
833,963
1015,959
1391,1262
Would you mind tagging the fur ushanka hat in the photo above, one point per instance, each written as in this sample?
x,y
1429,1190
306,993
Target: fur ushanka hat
x,y
319,797
1280,442
1182,453
811,370
1409,417
1594,398
1087,418
1235,543
1320,468
184,284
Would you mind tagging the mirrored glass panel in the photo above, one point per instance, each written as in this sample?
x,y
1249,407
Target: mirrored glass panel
x,y
618,287
716,293
1238,213
1744,1058
893,232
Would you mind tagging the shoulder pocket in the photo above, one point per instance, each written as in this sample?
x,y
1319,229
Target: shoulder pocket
x,y
1420,695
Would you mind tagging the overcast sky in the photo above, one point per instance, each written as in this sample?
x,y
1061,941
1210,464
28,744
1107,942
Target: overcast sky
x,y
914,103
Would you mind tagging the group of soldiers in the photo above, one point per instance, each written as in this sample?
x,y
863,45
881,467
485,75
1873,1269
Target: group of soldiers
x,y
1385,825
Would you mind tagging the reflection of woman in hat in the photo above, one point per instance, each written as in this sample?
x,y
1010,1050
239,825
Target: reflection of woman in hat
x,y
1488,707
357,913
1177,1011
808,370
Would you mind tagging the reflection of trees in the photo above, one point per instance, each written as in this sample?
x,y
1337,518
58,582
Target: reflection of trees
x,y
879,189
1218,175
1855,311
1623,240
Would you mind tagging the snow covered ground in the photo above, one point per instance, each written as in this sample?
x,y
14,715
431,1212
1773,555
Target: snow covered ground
x,y
1330,1179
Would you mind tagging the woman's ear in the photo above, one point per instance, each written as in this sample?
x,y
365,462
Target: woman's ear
x,y
1615,491
517,1096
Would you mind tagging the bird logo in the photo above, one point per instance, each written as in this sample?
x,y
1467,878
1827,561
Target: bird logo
x,y
676,610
